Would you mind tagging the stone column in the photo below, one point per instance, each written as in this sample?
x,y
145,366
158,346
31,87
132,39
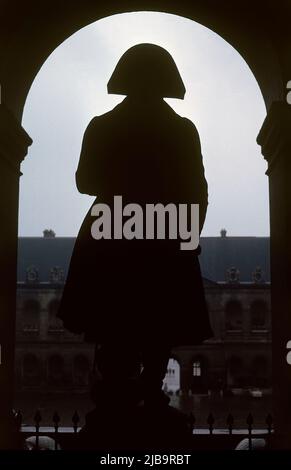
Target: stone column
x,y
13,148
275,140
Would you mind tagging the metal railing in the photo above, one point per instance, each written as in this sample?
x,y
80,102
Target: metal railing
x,y
224,436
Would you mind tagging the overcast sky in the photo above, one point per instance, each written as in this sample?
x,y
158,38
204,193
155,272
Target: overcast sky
x,y
222,99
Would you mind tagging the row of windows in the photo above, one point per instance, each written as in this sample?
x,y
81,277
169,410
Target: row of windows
x,y
30,316
31,366
257,306
235,364
259,366
256,373
174,369
33,374
33,306
234,315
31,369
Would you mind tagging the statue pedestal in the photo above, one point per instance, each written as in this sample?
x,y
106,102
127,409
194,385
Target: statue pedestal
x,y
140,428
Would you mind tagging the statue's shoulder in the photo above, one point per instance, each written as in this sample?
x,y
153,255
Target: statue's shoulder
x,y
184,122
104,120
189,125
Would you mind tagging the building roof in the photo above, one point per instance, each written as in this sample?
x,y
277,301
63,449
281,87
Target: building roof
x,y
244,253
218,255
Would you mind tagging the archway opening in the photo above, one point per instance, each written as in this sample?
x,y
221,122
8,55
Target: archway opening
x,y
172,379
200,377
231,164
223,99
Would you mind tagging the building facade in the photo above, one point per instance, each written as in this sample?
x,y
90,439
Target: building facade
x,y
237,286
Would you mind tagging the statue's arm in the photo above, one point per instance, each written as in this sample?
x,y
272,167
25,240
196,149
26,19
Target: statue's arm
x,y
199,191
86,171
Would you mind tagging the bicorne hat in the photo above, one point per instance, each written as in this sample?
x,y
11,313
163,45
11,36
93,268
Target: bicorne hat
x,y
147,69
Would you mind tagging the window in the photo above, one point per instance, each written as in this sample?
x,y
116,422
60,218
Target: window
x,y
54,323
200,378
56,370
236,372
235,365
30,316
260,366
260,372
81,370
197,369
258,315
30,370
233,316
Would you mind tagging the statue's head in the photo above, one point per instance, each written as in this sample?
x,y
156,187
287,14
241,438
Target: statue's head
x,y
147,70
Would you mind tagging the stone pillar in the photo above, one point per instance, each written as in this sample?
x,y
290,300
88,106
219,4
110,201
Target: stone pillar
x,y
275,140
13,148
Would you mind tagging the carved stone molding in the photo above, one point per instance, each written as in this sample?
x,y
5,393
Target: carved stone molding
x,y
32,275
257,275
56,275
232,275
275,134
14,141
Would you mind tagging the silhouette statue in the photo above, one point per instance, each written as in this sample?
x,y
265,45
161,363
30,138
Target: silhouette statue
x,y
136,299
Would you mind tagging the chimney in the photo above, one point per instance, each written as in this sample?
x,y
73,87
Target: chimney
x,y
48,233
223,233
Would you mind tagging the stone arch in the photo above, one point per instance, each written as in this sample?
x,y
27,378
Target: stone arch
x,y
229,25
255,31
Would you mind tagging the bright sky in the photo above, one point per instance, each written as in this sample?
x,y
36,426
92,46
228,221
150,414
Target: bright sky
x,y
222,99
